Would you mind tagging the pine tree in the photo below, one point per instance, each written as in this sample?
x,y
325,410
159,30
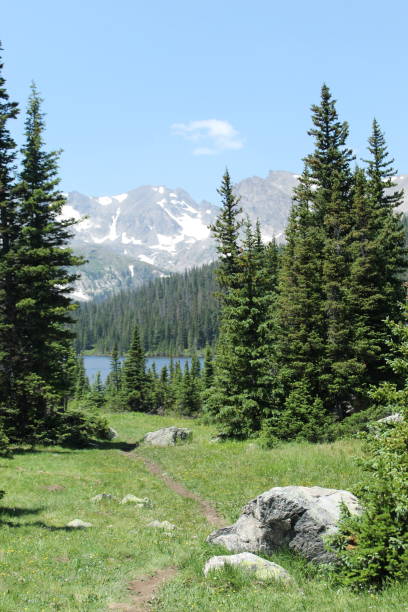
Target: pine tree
x,y
208,370
134,395
115,370
390,247
8,230
372,548
188,397
41,286
226,232
82,386
300,319
241,391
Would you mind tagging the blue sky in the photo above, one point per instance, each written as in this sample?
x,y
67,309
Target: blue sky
x,y
172,92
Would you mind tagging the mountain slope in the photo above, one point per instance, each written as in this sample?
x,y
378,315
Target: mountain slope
x,y
152,231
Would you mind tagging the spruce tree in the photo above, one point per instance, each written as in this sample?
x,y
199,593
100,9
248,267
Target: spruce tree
x,y
134,394
300,319
226,233
242,374
115,370
8,230
42,281
390,247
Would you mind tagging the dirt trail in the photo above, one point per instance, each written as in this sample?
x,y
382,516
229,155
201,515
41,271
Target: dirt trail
x,y
143,589
207,509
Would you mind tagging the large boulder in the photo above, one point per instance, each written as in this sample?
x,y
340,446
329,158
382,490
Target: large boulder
x,y
168,436
294,517
261,568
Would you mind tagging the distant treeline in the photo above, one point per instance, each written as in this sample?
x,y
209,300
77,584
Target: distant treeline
x,y
175,315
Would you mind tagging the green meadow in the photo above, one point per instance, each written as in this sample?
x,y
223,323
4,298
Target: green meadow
x,y
46,566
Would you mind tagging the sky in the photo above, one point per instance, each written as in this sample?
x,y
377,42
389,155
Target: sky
x,y
171,93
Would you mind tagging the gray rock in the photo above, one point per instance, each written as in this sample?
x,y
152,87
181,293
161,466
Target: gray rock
x,y
162,525
262,568
101,497
78,524
296,517
141,502
112,433
397,417
168,436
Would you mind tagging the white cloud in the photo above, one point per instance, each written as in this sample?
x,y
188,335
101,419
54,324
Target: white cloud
x,y
211,135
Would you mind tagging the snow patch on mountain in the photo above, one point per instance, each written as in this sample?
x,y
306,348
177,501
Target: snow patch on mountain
x,y
104,200
113,234
131,270
121,197
146,259
69,212
80,296
129,239
167,243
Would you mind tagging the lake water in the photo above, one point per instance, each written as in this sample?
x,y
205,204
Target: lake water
x,y
98,363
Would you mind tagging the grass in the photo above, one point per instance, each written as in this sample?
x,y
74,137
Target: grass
x,y
44,566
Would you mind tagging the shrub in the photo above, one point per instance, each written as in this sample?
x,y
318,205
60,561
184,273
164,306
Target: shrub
x,y
77,427
373,548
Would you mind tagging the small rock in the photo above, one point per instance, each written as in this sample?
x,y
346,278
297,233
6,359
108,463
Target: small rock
x,y
78,524
141,502
101,496
162,525
168,436
262,568
397,417
112,433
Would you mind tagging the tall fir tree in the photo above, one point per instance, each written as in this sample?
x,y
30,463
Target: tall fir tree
x,y
8,230
390,239
134,394
241,389
42,276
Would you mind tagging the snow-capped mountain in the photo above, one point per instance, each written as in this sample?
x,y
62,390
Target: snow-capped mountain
x,y
134,236
152,231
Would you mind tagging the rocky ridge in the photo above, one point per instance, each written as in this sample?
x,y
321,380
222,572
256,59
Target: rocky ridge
x,y
153,231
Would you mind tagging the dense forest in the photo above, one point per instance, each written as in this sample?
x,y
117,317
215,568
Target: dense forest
x,y
175,315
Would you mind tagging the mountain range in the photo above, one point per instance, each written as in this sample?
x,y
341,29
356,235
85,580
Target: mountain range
x,y
153,231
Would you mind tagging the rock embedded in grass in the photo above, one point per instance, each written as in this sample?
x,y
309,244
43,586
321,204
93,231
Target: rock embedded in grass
x,y
397,417
162,525
78,524
168,436
292,517
112,433
261,568
141,502
101,497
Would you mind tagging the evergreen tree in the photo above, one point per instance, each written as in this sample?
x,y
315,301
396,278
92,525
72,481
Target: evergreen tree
x,y
372,548
242,375
96,396
226,232
208,370
300,319
41,286
134,393
390,253
82,386
115,370
8,230
188,396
